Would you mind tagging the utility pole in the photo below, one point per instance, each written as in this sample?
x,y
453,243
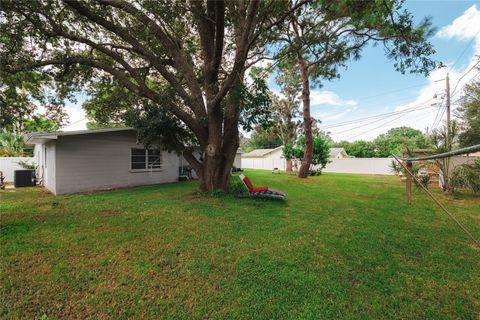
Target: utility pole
x,y
449,142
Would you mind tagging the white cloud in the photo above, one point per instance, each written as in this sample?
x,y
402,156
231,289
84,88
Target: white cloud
x,y
464,27
323,97
330,116
319,100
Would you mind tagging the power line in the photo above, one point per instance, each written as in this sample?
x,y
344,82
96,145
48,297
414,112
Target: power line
x,y
466,72
349,122
464,50
383,118
78,121
439,119
388,122
436,117
370,130
389,92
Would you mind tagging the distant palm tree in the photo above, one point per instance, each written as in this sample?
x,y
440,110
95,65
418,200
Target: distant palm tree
x,y
11,144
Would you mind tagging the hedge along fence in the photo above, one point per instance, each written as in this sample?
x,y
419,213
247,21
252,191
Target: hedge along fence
x,y
9,164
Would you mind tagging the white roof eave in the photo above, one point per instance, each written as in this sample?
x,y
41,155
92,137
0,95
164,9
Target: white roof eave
x,y
37,139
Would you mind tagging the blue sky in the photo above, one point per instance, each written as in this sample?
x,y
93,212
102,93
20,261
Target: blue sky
x,y
371,86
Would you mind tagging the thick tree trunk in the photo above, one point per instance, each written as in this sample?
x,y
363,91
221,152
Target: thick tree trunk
x,y
304,170
215,169
223,142
289,165
211,177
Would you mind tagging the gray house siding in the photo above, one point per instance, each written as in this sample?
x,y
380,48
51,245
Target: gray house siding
x,y
99,161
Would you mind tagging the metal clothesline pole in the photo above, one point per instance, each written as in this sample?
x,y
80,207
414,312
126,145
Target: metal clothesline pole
x,y
438,202
471,149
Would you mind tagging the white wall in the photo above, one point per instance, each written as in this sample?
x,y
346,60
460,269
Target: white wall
x,y
102,161
263,163
342,165
360,165
276,154
9,164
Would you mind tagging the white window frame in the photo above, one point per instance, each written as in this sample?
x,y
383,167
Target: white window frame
x,y
147,164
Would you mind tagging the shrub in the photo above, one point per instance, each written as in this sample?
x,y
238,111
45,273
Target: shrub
x,y
423,180
467,176
237,188
26,165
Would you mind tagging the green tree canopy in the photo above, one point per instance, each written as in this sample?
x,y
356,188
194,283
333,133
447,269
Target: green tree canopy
x,y
262,139
321,152
358,149
182,62
398,140
11,144
469,115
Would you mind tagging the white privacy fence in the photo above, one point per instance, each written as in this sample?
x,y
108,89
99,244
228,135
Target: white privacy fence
x,y
9,164
265,164
360,165
343,165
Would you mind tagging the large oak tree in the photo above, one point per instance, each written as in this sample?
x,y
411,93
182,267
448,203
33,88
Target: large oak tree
x,y
174,68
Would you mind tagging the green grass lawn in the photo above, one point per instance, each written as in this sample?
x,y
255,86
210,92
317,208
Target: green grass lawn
x,y
340,246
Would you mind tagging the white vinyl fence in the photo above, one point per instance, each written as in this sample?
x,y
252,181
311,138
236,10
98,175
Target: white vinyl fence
x,y
360,165
9,164
264,164
343,165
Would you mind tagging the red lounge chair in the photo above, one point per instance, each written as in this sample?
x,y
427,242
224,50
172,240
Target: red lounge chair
x,y
261,191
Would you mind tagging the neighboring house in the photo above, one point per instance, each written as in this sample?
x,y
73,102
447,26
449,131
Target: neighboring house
x,y
275,153
90,160
237,163
338,153
269,159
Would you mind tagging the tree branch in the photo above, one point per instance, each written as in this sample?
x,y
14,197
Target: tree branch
x,y
140,49
181,61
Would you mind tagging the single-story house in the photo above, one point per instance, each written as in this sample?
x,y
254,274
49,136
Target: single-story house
x,y
274,153
90,160
277,153
338,153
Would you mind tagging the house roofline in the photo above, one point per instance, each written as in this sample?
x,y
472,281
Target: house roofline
x,y
263,155
41,137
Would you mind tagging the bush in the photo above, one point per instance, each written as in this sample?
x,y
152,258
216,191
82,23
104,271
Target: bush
x,y
26,165
237,188
423,179
467,176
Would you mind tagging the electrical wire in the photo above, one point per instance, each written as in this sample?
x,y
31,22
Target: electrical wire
x,y
370,130
436,116
78,121
466,72
358,120
377,120
439,119
464,50
389,92
385,123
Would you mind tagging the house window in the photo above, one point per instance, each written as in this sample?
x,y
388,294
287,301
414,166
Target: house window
x,y
142,159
